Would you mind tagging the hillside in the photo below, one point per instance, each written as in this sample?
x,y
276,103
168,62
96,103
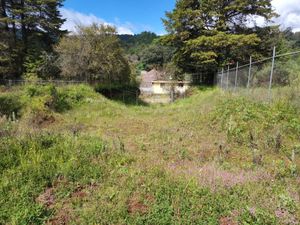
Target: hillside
x,y
70,156
133,44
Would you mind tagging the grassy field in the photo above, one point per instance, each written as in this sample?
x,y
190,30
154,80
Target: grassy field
x,y
70,156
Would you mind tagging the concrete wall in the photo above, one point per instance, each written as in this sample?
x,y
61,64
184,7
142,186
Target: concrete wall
x,y
161,88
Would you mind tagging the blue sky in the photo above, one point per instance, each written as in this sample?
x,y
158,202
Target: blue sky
x,y
129,16
135,16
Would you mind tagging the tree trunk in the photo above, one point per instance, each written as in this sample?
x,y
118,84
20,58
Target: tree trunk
x,y
4,14
23,25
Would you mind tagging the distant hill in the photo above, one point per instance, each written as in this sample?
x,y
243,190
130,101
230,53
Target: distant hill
x,y
134,43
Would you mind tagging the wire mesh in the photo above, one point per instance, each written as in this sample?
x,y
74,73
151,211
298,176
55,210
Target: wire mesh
x,y
263,79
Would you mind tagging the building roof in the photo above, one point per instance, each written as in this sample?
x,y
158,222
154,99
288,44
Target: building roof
x,y
148,77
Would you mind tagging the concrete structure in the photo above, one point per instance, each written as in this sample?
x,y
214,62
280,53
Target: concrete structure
x,y
162,87
147,78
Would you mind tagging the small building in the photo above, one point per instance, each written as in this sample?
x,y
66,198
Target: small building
x,y
147,78
163,87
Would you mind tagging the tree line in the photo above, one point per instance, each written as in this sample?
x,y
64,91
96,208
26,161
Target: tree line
x,y
33,46
28,29
202,35
209,34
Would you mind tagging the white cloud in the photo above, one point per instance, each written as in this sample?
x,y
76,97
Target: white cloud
x,y
289,11
289,15
75,18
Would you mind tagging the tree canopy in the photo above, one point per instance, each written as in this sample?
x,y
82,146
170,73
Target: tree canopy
x,y
207,33
133,44
28,28
94,53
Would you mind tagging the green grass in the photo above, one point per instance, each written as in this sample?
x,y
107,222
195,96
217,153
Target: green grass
x,y
212,158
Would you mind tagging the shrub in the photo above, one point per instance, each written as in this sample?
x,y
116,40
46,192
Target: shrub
x,y
56,99
9,104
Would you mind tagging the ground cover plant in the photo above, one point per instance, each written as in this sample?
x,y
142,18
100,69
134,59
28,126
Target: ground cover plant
x,y
226,160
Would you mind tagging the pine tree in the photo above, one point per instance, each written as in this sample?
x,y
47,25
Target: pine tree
x,y
35,27
207,33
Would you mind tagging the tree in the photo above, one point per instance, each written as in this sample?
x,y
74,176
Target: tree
x,y
295,37
34,27
94,53
6,61
156,55
207,33
134,43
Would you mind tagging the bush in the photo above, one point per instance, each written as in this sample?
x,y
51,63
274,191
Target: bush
x,y
9,104
57,99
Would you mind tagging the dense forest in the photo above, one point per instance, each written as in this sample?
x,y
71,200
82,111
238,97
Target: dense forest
x,y
29,30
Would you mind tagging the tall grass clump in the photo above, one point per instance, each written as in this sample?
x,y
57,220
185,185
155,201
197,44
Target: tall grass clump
x,y
40,103
59,99
239,117
10,104
268,132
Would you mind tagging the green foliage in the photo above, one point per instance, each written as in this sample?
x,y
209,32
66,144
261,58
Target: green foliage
x,y
145,51
58,99
33,164
155,165
10,104
45,99
240,117
210,33
93,54
6,56
41,65
295,38
133,44
33,27
156,55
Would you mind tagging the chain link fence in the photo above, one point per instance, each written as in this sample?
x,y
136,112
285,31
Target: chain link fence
x,y
11,82
273,77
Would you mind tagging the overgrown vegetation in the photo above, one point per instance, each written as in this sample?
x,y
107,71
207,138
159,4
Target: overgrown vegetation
x,y
101,57
220,162
77,155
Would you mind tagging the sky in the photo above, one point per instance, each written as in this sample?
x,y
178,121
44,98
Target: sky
x,y
129,16
135,16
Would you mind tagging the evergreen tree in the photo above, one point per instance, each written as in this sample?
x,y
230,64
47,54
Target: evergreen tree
x,y
207,33
34,26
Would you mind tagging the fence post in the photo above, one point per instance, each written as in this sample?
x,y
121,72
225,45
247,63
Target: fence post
x,y
227,85
249,74
236,76
222,78
272,72
136,97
